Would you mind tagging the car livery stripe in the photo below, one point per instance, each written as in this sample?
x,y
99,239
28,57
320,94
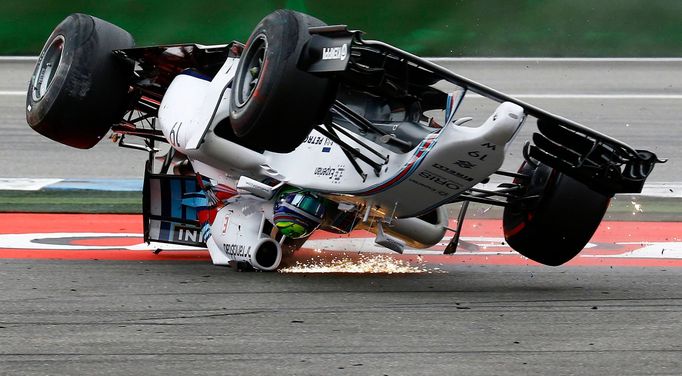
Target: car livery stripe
x,y
195,74
190,189
150,100
418,157
176,192
225,189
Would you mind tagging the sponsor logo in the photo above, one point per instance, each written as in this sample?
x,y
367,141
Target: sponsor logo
x,y
452,172
237,250
432,189
324,171
335,53
318,140
185,234
338,175
439,180
173,135
333,174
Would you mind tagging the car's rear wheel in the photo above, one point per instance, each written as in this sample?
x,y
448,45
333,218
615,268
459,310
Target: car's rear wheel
x,y
555,218
79,88
274,104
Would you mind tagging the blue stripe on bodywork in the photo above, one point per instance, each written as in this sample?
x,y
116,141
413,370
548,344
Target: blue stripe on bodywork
x,y
190,211
195,74
165,232
176,198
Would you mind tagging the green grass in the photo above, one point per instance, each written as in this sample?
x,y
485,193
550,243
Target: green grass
x,y
622,208
71,202
431,28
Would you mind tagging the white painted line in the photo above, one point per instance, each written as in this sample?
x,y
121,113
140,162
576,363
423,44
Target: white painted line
x,y
498,247
27,241
518,96
598,96
586,96
656,189
654,250
18,58
559,59
652,189
14,184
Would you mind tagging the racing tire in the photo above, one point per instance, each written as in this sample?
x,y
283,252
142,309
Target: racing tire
x,y
555,218
274,105
79,88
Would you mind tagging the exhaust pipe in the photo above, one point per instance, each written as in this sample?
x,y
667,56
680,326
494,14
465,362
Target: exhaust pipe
x,y
267,255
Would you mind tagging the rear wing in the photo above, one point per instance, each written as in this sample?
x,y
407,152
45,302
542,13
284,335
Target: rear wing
x,y
603,163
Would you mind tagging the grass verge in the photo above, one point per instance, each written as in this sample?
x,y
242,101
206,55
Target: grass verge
x,y
622,208
429,28
70,201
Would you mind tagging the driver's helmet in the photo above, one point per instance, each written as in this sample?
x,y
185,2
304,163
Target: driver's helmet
x,y
298,214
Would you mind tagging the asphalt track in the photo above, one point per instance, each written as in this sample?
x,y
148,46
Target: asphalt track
x,y
635,100
84,297
81,295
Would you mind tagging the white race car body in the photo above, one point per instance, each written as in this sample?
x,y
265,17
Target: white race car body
x,y
446,163
311,127
449,161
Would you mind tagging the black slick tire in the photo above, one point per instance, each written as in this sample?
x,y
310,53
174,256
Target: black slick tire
x,y
274,104
79,88
557,218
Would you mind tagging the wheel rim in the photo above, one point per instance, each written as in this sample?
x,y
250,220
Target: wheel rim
x,y
46,68
252,69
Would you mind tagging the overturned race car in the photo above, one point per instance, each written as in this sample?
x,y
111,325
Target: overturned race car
x,y
309,126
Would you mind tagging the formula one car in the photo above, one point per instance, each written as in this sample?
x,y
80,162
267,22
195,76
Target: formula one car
x,y
309,126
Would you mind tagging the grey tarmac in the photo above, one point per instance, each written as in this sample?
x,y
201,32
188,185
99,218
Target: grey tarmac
x,y
111,318
144,317
637,101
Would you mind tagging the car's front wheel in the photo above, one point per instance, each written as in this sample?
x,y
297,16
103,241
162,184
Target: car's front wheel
x,y
555,217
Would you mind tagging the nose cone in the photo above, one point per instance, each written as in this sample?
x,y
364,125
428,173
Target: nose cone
x,y
504,123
